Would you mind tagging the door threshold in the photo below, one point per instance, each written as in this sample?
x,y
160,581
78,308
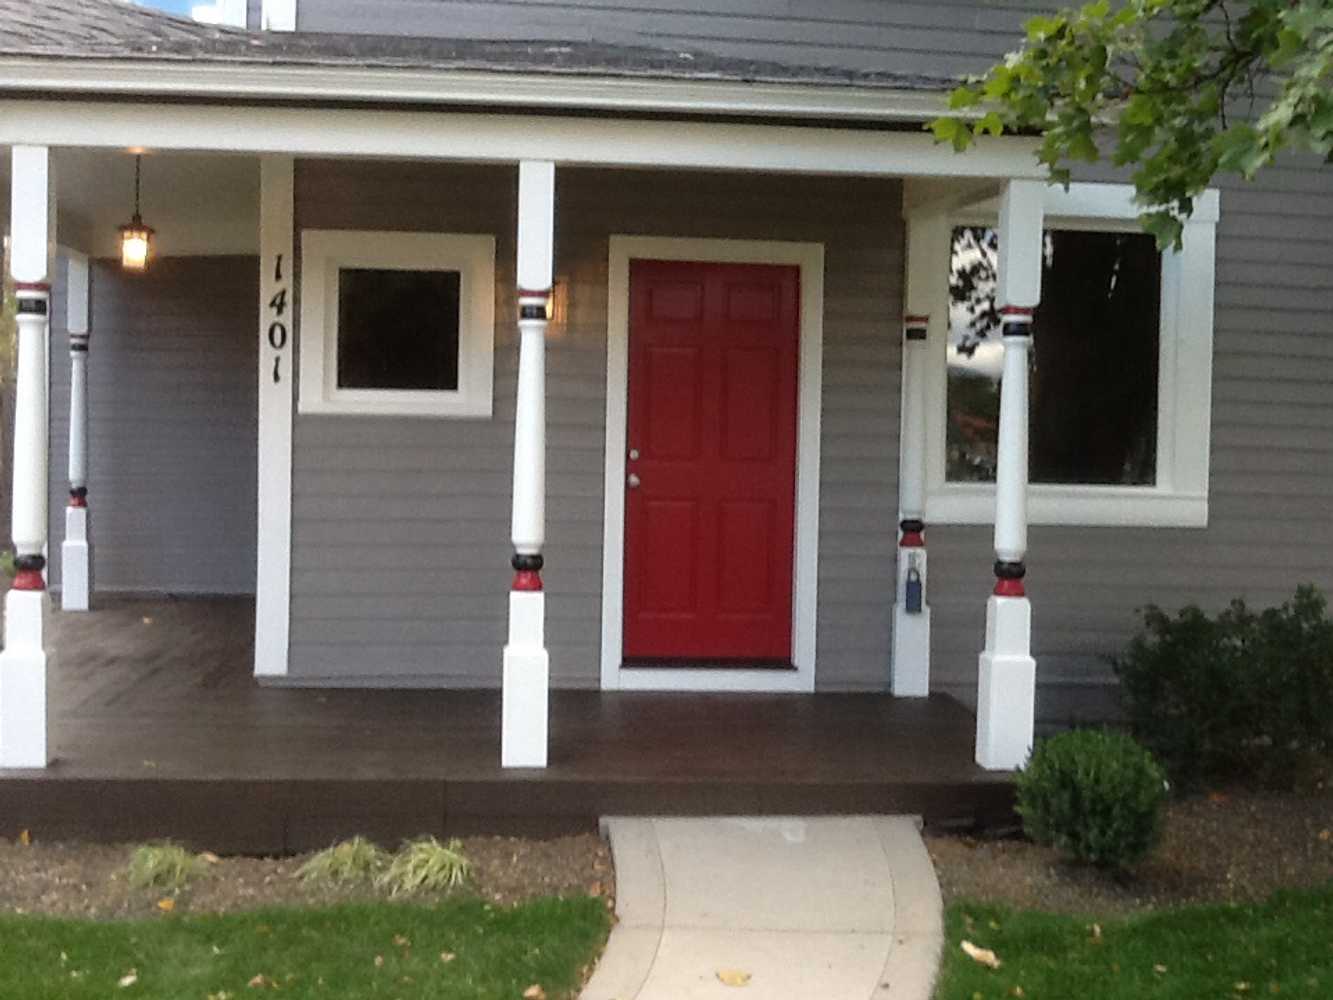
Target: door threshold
x,y
705,665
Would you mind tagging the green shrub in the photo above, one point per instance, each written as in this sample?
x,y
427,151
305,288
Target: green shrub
x,y
1095,794
1239,695
346,862
164,866
426,865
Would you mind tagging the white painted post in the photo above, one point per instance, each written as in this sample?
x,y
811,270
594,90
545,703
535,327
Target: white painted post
x,y
1006,685
527,666
24,659
273,567
911,608
76,550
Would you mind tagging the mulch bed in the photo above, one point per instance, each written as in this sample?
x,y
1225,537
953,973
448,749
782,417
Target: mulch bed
x,y
1226,847
88,880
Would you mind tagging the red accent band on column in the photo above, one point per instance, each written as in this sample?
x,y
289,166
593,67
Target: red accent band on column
x,y
527,580
78,501
1017,312
29,579
913,540
914,319
1009,588
32,286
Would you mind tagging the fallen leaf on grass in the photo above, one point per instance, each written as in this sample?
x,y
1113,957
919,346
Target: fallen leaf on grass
x,y
447,956
534,992
1097,933
1159,969
128,980
166,905
379,961
401,941
733,977
25,838
1324,835
260,982
982,956
208,857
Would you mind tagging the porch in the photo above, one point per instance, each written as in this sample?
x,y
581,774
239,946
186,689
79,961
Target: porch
x,y
158,728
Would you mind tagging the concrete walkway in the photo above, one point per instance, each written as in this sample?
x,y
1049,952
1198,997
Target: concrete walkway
x,y
828,908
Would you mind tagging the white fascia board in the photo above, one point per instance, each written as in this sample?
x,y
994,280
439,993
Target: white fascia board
x,y
161,78
508,138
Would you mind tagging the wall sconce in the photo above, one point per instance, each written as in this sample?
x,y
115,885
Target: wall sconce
x,y
557,307
136,239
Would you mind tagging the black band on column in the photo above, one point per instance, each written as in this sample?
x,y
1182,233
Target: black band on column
x,y
78,492
1010,570
35,306
532,311
526,563
912,524
34,563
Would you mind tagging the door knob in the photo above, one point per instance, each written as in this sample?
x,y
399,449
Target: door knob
x,y
632,481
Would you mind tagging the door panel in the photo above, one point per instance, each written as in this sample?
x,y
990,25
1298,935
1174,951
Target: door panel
x,y
710,497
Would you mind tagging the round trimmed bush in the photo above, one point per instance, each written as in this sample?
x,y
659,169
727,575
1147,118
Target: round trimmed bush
x,y
1095,794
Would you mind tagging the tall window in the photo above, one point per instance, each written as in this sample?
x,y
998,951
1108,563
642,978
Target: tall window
x,y
1094,379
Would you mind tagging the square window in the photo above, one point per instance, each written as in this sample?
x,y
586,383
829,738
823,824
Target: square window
x,y
1094,362
397,324
398,329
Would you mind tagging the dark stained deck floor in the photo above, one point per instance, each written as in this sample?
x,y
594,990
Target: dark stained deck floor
x,y
158,729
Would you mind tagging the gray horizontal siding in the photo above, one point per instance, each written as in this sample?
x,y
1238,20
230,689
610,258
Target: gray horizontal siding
x,y
172,436
401,527
948,37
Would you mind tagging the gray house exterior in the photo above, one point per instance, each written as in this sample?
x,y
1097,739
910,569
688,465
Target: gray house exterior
x,y
399,524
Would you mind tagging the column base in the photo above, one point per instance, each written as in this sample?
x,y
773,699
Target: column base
x,y
23,682
1006,686
911,653
75,561
525,698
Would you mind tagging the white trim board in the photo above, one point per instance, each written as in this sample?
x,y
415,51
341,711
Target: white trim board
x,y
809,257
273,565
461,87
509,138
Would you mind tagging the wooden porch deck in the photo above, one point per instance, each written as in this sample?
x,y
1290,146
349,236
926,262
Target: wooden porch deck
x,y
157,728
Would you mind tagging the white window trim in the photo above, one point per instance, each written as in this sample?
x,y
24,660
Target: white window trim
x,y
324,251
278,15
809,257
1179,497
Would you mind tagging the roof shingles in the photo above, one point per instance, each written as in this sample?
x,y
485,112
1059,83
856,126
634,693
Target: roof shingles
x,y
118,30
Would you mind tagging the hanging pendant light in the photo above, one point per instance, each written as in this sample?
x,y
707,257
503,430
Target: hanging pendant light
x,y
136,239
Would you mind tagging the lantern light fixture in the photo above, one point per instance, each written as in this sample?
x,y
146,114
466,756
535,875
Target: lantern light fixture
x,y
136,239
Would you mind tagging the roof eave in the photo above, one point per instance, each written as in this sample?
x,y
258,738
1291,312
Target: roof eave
x,y
545,91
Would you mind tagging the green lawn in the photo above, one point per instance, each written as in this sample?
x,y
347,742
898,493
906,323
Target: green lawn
x,y
364,951
1283,948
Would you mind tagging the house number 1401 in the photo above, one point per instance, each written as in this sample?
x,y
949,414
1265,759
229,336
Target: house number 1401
x,y
277,328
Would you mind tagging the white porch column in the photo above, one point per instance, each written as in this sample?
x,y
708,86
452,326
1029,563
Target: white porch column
x,y
1007,673
273,567
911,608
23,662
523,737
75,550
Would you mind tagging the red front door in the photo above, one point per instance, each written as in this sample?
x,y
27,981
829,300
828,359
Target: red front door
x,y
710,486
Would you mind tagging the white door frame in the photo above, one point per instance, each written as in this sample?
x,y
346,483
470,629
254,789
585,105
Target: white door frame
x,y
809,258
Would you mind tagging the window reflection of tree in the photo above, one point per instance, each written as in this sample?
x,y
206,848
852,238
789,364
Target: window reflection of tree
x,y
1093,413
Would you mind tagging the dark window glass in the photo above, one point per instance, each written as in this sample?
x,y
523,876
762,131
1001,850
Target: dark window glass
x,y
397,329
1093,407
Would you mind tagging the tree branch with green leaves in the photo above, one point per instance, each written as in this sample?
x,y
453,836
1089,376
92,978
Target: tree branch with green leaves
x,y
1175,90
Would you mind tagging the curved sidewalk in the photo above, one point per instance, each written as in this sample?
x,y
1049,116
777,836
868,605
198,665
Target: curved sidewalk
x,y
839,908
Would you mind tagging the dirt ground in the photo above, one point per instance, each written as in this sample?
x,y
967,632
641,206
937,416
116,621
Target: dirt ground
x,y
1219,848
88,880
